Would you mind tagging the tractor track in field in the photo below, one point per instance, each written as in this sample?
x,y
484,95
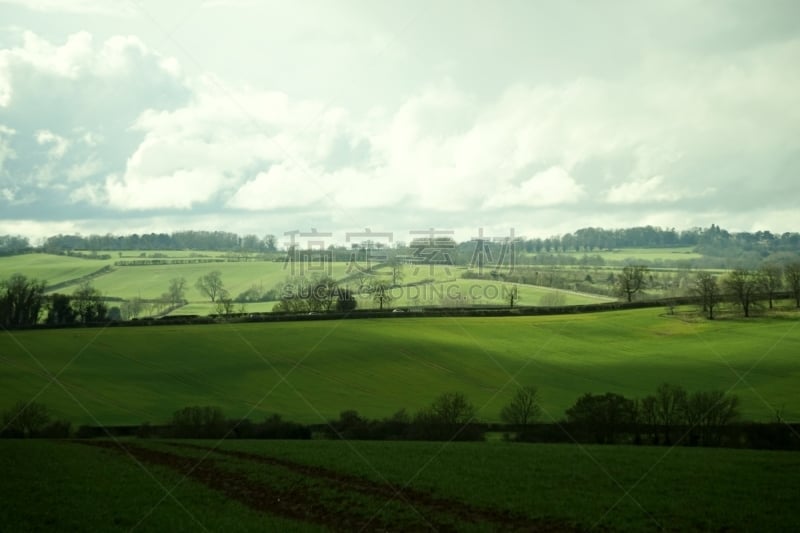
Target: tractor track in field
x,y
358,505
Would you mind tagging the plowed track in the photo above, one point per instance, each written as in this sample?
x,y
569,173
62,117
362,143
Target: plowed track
x,y
324,496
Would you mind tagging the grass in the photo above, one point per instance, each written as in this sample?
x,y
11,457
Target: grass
x,y
150,282
648,254
132,375
55,486
51,268
258,485
680,489
461,292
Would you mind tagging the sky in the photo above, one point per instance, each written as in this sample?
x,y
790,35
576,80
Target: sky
x,y
532,117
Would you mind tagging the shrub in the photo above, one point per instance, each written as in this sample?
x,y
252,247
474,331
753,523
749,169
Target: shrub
x,y
199,423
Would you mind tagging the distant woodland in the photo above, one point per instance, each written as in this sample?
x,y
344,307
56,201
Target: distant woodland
x,y
750,247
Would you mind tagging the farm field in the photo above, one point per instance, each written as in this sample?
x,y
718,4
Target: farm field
x,y
646,254
354,486
444,287
461,292
51,268
312,370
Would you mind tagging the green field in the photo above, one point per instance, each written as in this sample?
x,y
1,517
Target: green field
x,y
442,287
647,254
379,486
127,375
51,268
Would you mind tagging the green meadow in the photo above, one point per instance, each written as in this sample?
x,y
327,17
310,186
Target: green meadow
x,y
419,286
647,254
51,268
356,486
310,371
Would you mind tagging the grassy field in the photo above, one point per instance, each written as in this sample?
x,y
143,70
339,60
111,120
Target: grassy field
x,y
444,287
310,371
51,268
53,486
647,254
366,486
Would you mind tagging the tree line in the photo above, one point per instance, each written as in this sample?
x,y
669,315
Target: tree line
x,y
713,241
748,288
710,241
23,303
669,416
223,241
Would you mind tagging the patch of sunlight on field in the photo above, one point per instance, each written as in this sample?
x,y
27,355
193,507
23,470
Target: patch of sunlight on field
x,y
466,293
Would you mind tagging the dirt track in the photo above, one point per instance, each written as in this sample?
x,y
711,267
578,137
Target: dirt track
x,y
327,497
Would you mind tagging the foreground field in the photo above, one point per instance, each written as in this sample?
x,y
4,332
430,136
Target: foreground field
x,y
369,486
310,371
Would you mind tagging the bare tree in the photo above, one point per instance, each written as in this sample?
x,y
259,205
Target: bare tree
x,y
512,295
553,298
770,279
177,290
224,305
524,407
707,411
381,293
648,411
132,308
707,288
670,407
453,408
26,418
210,284
397,270
322,294
743,285
792,274
631,280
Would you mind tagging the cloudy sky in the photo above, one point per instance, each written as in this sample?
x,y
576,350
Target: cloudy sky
x,y
266,117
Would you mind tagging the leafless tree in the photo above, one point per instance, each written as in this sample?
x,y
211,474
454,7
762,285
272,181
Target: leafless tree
x,y
631,280
743,285
770,279
177,290
210,284
524,407
708,290
670,407
792,274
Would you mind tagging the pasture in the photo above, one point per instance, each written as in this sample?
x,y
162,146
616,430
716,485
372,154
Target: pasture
x,y
50,268
357,486
421,285
310,371
621,255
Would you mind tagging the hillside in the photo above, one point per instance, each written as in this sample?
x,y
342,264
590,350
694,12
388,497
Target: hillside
x,y
120,375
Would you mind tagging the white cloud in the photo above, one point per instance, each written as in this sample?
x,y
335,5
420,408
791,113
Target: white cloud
x,y
652,190
180,189
282,187
72,106
58,143
6,151
549,188
98,7
642,191
132,133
